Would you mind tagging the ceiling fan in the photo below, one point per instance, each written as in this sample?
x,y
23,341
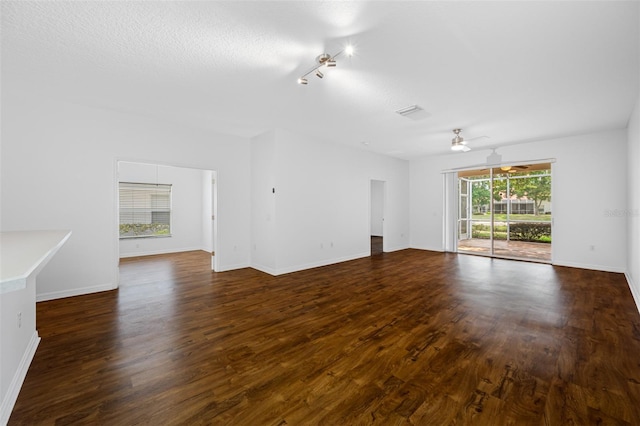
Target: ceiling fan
x,y
513,169
458,143
506,169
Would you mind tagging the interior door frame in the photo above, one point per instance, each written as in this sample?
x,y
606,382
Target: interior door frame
x,y
116,206
215,258
384,212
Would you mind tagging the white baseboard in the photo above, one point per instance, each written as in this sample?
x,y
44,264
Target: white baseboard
x,y
265,269
397,248
165,251
635,291
427,248
317,264
224,268
589,266
74,292
296,268
11,396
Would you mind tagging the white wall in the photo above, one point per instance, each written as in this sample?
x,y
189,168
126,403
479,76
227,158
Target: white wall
x,y
59,172
377,208
589,187
633,203
187,208
263,205
321,202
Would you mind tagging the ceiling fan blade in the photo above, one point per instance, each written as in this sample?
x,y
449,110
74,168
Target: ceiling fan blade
x,y
477,137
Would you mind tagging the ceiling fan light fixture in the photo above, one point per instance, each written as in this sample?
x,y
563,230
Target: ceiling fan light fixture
x,y
457,147
302,80
458,140
319,74
458,143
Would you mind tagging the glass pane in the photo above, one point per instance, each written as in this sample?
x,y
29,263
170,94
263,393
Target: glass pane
x,y
521,204
500,204
475,222
522,227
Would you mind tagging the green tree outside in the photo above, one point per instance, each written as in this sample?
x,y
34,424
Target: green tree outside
x,y
480,195
536,188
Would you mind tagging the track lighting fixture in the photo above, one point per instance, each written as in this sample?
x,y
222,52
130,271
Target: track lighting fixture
x,y
324,60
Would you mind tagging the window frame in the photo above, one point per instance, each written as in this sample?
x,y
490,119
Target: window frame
x,y
149,209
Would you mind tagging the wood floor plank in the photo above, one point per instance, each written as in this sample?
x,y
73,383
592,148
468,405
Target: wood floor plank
x,y
410,337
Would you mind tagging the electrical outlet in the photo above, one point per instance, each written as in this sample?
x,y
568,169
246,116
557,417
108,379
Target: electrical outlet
x,y
19,319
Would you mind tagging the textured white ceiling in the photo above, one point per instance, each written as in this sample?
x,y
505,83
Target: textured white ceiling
x,y
514,71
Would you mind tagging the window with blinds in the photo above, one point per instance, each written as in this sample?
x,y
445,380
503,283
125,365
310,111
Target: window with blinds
x,y
145,210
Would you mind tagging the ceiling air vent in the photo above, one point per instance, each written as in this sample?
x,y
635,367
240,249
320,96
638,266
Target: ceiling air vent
x,y
413,112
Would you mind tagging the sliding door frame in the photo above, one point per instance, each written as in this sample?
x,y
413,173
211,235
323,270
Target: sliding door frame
x,y
451,200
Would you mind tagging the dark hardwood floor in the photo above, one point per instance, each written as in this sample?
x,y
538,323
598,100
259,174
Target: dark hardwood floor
x,y
410,337
376,245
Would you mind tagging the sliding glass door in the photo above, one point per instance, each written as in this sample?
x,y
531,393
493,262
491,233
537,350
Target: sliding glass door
x,y
506,212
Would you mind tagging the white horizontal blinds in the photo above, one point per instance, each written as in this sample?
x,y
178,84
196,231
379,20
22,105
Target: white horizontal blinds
x,y
145,209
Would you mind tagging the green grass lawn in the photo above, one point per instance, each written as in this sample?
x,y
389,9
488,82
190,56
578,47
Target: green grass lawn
x,y
514,217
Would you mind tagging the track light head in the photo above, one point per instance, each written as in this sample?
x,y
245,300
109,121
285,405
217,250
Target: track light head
x,y
325,60
322,59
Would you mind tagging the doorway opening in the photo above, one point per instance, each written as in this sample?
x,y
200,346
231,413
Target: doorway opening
x,y
150,223
377,216
506,212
